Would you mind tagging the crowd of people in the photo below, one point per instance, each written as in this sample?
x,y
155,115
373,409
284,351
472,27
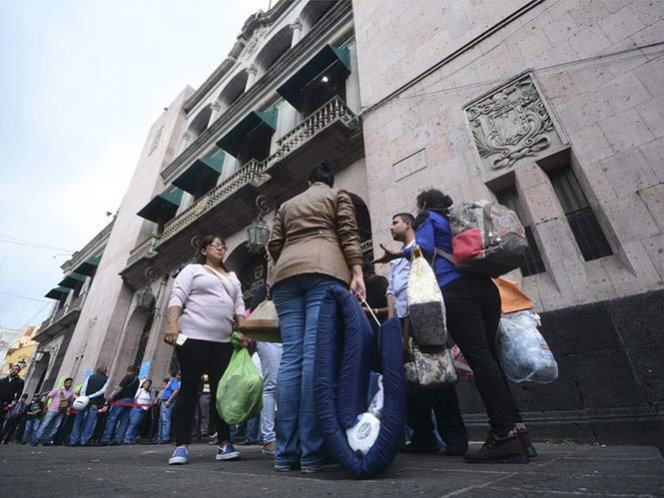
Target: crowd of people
x,y
314,246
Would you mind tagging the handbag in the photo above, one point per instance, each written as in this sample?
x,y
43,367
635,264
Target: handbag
x,y
426,307
427,370
263,323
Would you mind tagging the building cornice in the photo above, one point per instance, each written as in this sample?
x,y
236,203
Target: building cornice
x,y
337,22
92,248
254,22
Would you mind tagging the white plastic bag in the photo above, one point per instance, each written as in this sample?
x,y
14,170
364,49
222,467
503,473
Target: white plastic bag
x,y
364,432
524,354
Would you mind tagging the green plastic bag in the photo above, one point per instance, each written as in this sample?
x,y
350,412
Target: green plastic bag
x,y
240,391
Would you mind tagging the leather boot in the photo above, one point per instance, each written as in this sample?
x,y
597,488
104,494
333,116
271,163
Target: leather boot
x,y
495,449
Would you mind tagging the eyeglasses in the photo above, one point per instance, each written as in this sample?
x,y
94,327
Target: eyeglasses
x,y
218,246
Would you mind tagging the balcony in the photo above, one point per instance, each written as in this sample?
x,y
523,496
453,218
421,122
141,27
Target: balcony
x,y
332,132
65,317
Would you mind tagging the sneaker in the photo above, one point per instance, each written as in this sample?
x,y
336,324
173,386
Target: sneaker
x,y
269,449
327,464
506,449
525,441
286,467
179,457
227,452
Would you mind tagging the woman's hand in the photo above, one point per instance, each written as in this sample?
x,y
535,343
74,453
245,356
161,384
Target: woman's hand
x,y
388,255
244,340
171,336
357,282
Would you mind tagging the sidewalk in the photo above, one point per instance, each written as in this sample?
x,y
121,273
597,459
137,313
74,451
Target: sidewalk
x,y
113,472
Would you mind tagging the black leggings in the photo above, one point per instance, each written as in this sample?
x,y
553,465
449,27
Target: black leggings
x,y
197,358
473,312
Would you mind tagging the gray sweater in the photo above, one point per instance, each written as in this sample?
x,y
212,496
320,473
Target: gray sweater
x,y
209,308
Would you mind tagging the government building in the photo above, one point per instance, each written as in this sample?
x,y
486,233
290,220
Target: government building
x,y
554,108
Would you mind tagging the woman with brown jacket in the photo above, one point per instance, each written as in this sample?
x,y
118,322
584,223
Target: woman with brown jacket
x,y
315,244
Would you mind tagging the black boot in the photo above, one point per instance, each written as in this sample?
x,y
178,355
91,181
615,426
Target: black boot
x,y
507,449
525,441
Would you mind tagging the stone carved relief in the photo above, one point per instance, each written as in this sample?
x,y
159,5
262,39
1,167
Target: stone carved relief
x,y
511,123
155,141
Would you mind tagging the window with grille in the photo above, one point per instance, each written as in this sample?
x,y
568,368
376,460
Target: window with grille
x,y
531,262
583,222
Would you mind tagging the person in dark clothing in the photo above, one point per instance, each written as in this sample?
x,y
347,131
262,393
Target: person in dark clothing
x,y
11,388
94,388
14,416
473,311
122,399
376,286
33,416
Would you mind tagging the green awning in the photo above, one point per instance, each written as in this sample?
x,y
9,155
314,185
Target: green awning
x,y
201,176
88,266
233,140
163,206
315,68
57,293
72,280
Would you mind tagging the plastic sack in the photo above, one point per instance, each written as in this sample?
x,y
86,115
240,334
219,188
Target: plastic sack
x,y
461,364
425,303
240,391
376,405
524,354
364,433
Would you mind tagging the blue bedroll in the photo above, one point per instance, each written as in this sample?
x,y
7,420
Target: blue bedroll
x,y
344,351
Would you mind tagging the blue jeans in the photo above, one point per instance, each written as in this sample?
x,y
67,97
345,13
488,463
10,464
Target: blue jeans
x,y
51,423
135,419
31,427
164,433
297,299
84,424
118,415
270,355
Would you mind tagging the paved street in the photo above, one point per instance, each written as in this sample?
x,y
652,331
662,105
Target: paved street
x,y
559,471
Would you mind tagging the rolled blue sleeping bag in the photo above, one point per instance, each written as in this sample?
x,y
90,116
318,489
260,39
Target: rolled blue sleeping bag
x,y
345,346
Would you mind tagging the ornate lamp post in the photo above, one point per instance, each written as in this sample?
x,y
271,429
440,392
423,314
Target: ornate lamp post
x,y
258,232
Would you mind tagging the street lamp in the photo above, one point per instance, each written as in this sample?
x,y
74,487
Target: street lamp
x,y
258,232
145,300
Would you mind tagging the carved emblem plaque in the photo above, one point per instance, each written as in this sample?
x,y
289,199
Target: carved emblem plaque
x,y
511,123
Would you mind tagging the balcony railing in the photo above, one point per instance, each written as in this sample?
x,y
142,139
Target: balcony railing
x,y
47,326
333,110
144,249
253,172
250,172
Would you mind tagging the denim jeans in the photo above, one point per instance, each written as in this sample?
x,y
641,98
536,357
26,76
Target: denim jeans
x,y
118,415
165,414
135,418
297,300
31,428
84,425
51,423
270,355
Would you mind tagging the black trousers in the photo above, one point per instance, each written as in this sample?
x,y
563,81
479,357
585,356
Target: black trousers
x,y
473,312
445,405
197,358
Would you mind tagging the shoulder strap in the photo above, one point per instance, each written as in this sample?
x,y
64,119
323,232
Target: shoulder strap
x,y
444,254
225,281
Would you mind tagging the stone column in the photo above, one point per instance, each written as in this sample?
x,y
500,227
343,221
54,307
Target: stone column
x,y
218,108
251,76
296,27
186,137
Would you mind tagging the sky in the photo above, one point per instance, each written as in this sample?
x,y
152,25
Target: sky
x,y
81,82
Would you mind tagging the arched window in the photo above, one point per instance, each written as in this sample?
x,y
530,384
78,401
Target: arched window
x,y
314,12
277,46
233,89
199,123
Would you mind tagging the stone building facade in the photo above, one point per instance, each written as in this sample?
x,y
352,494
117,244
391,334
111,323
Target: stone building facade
x,y
553,107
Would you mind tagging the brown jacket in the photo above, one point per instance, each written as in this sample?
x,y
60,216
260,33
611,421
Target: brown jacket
x,y
315,232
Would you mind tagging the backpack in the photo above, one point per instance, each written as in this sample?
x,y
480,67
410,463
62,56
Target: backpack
x,y
487,239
